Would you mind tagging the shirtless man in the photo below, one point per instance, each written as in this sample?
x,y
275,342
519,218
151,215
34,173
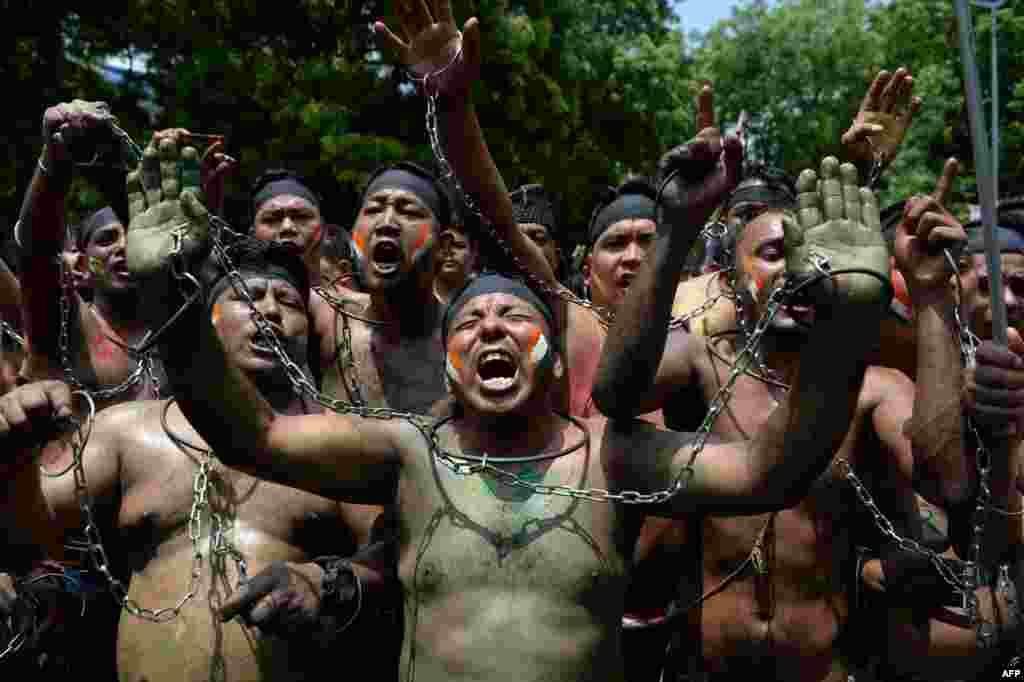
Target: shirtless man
x,y
499,583
96,333
383,351
769,595
144,464
944,645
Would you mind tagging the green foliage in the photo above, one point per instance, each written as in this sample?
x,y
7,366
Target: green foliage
x,y
574,94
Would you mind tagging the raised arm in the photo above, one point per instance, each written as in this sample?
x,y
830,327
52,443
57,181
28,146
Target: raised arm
x,y
700,174
800,438
431,43
341,457
882,121
775,469
943,473
40,230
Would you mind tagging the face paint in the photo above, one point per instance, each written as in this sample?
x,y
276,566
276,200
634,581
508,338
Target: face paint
x,y
97,269
424,240
104,349
215,317
538,347
453,365
359,240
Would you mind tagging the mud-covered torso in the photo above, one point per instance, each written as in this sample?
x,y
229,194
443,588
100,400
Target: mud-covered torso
x,y
503,584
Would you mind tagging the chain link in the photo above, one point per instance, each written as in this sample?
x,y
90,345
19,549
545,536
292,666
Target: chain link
x,y
605,316
968,581
8,331
201,486
145,366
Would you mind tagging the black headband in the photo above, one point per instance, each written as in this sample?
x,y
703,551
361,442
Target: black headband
x,y
289,186
1009,241
530,205
424,189
490,283
759,192
101,218
626,207
266,270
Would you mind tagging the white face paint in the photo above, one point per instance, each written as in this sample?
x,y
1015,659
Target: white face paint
x,y
540,349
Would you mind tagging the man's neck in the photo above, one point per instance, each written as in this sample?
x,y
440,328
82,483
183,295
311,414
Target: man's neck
x,y
526,433
120,311
277,390
413,310
443,288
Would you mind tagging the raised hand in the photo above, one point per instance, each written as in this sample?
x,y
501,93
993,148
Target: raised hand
x,y
838,229
884,118
926,231
701,172
432,46
215,167
28,416
71,130
167,216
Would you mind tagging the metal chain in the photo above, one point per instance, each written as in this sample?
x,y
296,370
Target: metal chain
x,y
8,331
968,581
201,486
724,394
604,315
144,364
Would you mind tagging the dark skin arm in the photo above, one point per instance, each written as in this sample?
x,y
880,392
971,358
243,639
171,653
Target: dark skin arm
x,y
775,469
629,381
944,475
427,43
42,217
10,296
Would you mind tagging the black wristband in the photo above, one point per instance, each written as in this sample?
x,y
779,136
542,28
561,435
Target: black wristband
x,y
912,579
341,598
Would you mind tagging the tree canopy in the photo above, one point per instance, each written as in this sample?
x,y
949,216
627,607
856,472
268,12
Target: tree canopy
x,y
575,95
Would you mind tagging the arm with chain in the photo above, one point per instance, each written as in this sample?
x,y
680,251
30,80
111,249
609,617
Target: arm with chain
x,y
446,64
927,233
40,230
43,483
343,457
637,373
777,467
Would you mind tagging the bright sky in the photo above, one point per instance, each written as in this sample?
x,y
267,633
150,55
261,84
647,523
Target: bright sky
x,y
700,15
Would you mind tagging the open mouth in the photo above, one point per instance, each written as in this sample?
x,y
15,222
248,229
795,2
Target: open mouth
x,y
386,257
263,346
497,371
626,279
291,245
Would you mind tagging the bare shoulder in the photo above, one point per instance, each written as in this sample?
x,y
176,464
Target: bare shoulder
x,y
885,384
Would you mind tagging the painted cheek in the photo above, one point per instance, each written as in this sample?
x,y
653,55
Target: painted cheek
x,y
104,348
453,365
423,241
215,317
538,347
359,237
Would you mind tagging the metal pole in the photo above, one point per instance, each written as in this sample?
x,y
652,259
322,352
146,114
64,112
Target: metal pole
x,y
982,169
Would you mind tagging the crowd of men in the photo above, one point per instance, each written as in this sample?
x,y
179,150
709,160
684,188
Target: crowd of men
x,y
434,442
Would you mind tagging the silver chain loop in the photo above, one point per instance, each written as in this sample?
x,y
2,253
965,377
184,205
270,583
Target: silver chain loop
x,y
201,486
